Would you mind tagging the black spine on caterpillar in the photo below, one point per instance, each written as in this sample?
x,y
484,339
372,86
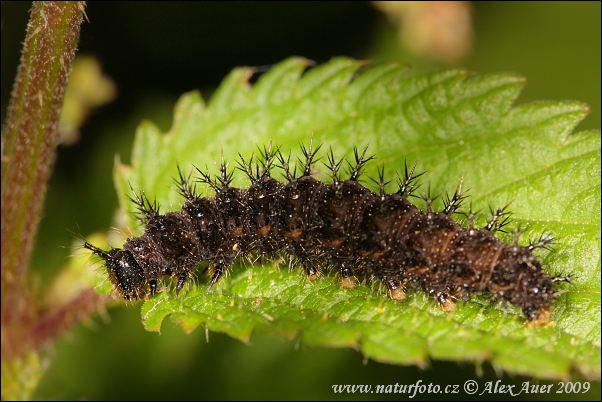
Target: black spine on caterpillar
x,y
343,225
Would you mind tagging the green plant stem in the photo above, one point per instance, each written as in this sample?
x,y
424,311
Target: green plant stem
x,y
28,150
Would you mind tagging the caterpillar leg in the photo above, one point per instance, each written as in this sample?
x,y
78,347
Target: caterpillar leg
x,y
180,285
543,318
219,269
396,291
311,270
348,280
443,299
153,287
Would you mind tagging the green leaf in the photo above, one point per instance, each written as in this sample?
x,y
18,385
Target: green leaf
x,y
457,125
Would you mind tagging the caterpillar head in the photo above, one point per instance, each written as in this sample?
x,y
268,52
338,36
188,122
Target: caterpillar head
x,y
124,272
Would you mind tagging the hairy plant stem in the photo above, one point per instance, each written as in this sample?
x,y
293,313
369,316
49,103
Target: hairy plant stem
x,y
30,134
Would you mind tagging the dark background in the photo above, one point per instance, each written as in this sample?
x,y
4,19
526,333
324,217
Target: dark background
x,y
155,52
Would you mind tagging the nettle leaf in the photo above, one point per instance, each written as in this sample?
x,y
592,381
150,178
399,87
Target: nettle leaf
x,y
458,126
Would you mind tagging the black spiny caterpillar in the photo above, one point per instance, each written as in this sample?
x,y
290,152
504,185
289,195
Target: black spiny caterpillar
x,y
343,225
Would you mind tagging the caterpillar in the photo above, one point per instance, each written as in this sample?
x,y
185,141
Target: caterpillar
x,y
342,225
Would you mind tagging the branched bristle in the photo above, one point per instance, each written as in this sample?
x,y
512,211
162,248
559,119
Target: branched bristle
x,y
428,199
518,232
499,219
146,209
224,178
267,159
205,178
309,155
545,241
471,217
220,182
451,205
263,166
566,279
246,167
285,166
334,167
381,182
184,187
360,161
408,185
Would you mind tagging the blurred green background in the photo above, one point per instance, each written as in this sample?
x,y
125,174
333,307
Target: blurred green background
x,y
155,52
